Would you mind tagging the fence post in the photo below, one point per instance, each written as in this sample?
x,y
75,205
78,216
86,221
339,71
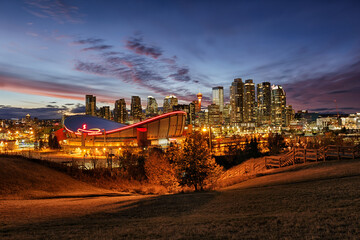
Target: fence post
x,y
338,152
294,156
304,155
265,163
353,152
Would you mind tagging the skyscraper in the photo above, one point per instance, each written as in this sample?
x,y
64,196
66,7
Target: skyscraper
x,y
136,109
290,115
214,114
152,106
192,113
199,97
90,105
185,108
263,102
249,101
169,102
120,113
278,106
218,97
237,101
105,112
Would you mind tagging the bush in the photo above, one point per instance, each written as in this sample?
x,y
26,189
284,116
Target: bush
x,y
160,171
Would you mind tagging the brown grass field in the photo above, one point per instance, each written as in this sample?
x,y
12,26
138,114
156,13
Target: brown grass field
x,y
308,201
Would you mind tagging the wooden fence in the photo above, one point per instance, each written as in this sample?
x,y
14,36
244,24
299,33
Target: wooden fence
x,y
302,155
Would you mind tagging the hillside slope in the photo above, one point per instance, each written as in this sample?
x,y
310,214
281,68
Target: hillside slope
x,y
22,179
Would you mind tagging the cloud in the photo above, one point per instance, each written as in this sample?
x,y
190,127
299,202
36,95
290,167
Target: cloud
x,y
137,46
98,48
74,89
318,92
89,41
7,112
57,10
153,73
182,75
79,108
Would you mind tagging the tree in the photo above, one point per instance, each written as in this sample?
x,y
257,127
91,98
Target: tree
x,y
132,165
252,148
194,164
276,143
159,170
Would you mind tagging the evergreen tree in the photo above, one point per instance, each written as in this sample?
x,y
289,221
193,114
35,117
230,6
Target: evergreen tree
x,y
194,164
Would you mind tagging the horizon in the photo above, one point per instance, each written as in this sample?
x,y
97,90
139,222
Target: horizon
x,y
56,52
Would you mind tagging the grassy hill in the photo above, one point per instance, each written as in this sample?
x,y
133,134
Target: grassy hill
x,y
308,201
23,179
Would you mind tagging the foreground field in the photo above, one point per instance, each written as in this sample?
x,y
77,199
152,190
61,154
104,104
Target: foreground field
x,y
318,201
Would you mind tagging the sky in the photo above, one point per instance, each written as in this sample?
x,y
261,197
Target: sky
x,y
53,53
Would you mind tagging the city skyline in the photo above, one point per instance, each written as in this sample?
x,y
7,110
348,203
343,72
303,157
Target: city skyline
x,y
54,53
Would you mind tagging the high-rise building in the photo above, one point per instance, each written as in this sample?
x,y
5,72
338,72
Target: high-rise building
x,y
192,113
152,107
185,108
236,101
105,112
278,106
120,113
199,97
226,114
249,101
90,105
289,115
218,97
214,114
169,102
263,102
136,109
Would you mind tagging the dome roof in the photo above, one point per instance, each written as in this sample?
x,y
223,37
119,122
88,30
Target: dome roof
x,y
76,122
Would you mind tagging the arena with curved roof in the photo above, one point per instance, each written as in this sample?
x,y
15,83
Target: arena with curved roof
x,y
92,132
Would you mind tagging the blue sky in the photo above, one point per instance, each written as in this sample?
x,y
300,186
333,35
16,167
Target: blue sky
x,y
52,53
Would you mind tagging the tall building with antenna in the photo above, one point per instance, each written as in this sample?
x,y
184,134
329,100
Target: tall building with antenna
x,y
199,97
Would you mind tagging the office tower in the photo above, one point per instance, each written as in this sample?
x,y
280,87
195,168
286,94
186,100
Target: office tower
x,y
236,102
278,106
289,115
136,110
90,105
169,102
120,112
218,97
199,97
264,103
152,107
249,101
105,112
226,114
184,108
192,113
214,114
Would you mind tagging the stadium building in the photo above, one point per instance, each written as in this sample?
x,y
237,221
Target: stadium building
x,y
89,132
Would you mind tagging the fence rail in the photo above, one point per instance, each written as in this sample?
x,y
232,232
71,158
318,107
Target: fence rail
x,y
302,155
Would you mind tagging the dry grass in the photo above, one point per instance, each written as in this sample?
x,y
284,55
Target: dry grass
x,y
21,179
319,201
